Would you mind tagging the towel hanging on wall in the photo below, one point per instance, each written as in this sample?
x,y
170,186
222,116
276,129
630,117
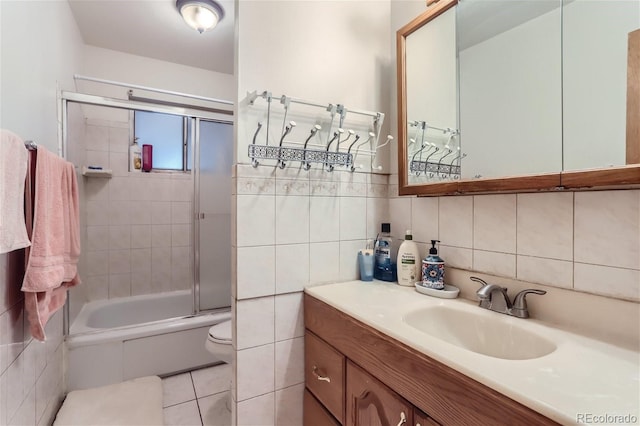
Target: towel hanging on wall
x,y
13,170
52,260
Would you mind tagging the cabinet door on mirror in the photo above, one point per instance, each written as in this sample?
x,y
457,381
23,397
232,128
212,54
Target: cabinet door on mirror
x,y
371,403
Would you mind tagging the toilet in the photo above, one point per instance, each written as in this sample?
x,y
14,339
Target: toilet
x,y
219,341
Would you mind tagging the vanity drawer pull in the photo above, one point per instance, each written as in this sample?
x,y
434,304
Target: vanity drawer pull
x,y
315,372
403,418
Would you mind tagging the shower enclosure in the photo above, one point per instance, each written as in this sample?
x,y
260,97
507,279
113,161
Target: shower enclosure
x,y
156,247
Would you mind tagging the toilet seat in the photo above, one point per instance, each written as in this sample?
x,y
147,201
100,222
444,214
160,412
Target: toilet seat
x,y
221,333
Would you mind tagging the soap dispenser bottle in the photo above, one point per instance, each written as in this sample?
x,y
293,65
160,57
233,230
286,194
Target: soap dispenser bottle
x,y
385,268
433,269
408,264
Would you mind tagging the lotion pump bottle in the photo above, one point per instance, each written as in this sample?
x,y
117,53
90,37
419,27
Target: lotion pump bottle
x,y
135,157
408,261
433,269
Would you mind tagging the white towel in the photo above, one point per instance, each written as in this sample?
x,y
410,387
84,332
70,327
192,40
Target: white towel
x,y
13,170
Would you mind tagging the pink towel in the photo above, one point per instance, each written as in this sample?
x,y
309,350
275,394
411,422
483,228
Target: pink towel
x,y
52,262
13,170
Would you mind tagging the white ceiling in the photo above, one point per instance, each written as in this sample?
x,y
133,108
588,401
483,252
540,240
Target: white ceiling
x,y
155,29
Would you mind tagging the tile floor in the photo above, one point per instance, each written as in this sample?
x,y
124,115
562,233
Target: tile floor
x,y
198,397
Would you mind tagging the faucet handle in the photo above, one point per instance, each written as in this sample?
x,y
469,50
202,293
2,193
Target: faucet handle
x,y
479,280
520,302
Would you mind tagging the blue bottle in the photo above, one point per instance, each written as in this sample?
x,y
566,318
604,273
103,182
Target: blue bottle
x,y
385,267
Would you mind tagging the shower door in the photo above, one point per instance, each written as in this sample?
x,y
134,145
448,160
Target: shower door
x,y
213,212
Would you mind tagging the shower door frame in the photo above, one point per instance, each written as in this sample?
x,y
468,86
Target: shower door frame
x,y
194,115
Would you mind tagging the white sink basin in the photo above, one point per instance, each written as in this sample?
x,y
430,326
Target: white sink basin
x,y
492,335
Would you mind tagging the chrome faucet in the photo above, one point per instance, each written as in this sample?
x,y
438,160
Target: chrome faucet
x,y
495,298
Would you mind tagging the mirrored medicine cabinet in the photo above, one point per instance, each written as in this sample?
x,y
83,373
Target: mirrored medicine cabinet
x,y
507,96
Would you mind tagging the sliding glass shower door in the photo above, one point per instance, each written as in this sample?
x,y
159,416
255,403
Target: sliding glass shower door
x,y
213,212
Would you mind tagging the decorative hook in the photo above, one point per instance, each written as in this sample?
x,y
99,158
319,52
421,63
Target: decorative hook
x,y
287,130
315,129
255,162
375,153
355,155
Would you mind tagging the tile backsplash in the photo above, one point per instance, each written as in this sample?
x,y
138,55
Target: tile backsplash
x,y
583,241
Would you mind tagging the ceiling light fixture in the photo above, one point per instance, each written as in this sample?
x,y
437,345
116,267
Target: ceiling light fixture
x,y
201,15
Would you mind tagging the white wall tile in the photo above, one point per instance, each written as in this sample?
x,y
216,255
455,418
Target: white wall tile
x,y
119,188
556,273
255,322
140,212
324,262
292,219
349,269
181,189
140,236
324,222
97,238
256,274
141,261
255,185
289,316
424,218
292,187
119,261
455,257
97,138
160,235
292,267
97,213
119,285
97,286
256,411
97,262
289,402
377,213
96,189
607,281
603,221
327,188
545,225
98,159
494,263
181,235
119,139
255,220
119,212
161,212
255,373
400,212
455,221
494,223
181,212
181,257
119,236
289,362
119,163
353,214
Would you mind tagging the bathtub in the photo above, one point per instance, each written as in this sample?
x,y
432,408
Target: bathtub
x,y
121,339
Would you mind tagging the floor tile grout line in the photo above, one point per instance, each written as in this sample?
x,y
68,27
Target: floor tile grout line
x,y
195,393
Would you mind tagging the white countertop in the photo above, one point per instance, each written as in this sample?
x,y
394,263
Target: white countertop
x,y
581,377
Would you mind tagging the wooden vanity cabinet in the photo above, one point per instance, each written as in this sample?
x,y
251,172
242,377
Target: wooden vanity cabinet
x,y
383,378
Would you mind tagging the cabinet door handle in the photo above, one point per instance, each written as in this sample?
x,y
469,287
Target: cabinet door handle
x,y
314,370
403,418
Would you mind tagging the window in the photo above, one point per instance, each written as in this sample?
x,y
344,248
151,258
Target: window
x,y
170,137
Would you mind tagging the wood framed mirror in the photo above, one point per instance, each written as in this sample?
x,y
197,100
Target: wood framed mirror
x,y
435,63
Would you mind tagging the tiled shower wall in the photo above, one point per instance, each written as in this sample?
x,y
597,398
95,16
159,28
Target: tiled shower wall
x,y
581,241
293,228
138,225
31,372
